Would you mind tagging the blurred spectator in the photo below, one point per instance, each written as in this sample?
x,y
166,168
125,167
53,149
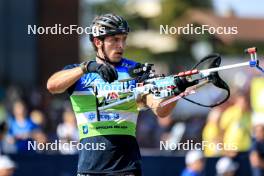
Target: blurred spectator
x,y
226,167
13,93
67,132
257,94
20,128
3,128
236,125
212,134
176,134
193,128
38,118
195,164
257,151
166,124
148,130
2,112
7,166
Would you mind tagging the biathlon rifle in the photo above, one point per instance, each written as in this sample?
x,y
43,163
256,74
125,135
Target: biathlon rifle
x,y
175,87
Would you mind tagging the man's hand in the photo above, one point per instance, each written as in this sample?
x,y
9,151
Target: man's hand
x,y
60,81
182,84
106,71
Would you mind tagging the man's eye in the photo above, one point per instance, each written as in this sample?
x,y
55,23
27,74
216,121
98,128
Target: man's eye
x,y
113,40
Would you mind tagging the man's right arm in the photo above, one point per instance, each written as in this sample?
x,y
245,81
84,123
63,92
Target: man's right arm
x,y
60,81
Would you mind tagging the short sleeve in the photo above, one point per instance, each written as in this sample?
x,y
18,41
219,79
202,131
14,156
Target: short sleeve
x,y
67,67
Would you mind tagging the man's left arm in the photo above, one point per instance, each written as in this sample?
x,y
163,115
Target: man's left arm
x,y
154,104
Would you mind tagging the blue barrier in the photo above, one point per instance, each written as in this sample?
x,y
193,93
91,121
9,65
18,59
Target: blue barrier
x,y
65,165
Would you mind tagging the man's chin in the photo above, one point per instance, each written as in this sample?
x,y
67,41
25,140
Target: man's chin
x,y
116,59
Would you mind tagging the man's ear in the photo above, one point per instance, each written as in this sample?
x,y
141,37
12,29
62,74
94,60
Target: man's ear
x,y
97,42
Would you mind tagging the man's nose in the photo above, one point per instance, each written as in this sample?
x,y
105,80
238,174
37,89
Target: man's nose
x,y
121,44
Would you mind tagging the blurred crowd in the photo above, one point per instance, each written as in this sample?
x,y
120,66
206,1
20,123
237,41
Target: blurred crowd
x,y
35,115
232,132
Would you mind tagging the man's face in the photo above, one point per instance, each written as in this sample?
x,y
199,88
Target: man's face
x,y
259,132
199,165
113,46
19,109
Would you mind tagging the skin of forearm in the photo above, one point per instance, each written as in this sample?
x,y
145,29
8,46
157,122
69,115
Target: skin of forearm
x,y
154,104
62,80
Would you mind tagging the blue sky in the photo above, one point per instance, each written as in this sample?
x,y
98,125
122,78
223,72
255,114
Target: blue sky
x,y
242,8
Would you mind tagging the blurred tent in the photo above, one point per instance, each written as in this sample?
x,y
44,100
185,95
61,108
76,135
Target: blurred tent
x,y
249,29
